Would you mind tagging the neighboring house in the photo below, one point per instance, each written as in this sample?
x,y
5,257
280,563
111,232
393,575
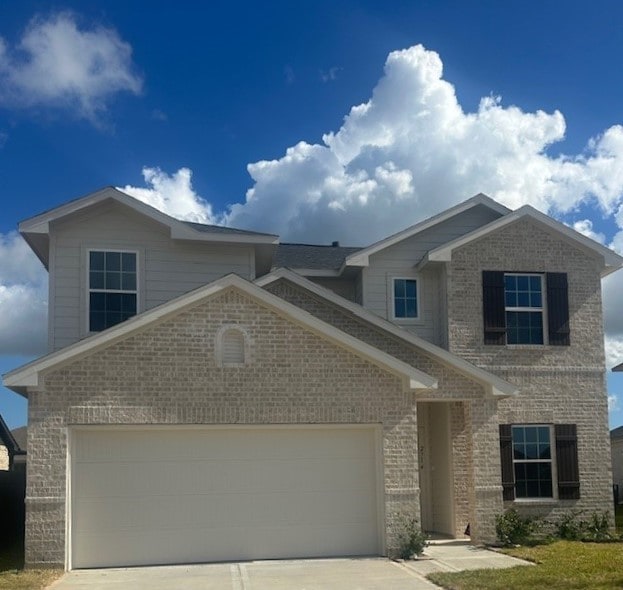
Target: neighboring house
x,y
618,368
11,454
616,443
199,403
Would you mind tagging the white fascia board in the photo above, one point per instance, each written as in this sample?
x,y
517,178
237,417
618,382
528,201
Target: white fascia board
x,y
495,386
362,258
612,261
28,375
178,229
317,272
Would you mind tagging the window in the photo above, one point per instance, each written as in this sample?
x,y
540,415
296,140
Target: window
x,y
539,459
112,288
405,299
532,461
525,308
232,346
523,300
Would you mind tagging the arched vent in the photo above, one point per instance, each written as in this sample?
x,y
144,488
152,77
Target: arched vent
x,y
232,344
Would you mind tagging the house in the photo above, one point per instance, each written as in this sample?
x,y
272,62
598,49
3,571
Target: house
x,y
616,443
211,394
11,454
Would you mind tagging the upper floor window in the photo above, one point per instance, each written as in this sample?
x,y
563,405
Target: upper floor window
x,y
405,298
112,288
525,308
523,299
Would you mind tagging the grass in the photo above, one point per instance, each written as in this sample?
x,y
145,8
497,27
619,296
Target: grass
x,y
13,576
563,565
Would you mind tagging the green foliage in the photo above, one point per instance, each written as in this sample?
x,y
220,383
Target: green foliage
x,y
598,528
412,540
570,527
513,529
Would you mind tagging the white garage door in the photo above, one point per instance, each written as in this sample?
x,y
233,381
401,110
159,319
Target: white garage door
x,y
159,496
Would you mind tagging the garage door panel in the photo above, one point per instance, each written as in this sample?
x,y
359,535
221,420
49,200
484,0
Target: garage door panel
x,y
222,494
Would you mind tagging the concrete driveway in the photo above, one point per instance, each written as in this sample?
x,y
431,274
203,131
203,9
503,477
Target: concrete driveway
x,y
376,573
310,574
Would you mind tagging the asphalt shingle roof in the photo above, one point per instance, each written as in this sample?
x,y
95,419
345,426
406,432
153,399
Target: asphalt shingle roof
x,y
219,229
311,256
616,432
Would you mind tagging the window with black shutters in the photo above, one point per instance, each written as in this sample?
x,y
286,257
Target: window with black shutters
x,y
539,461
525,308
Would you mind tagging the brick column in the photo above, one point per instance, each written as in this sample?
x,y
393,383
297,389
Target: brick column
x,y
485,500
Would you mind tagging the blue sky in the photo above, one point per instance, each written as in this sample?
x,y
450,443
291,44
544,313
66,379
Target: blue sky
x,y
242,113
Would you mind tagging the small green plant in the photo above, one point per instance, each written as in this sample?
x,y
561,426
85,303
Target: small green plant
x,y
570,527
412,540
598,528
513,529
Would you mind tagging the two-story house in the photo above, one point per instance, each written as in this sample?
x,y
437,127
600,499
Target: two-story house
x,y
212,394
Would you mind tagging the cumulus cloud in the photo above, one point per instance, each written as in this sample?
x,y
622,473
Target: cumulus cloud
x,y
585,227
613,402
58,64
173,194
23,299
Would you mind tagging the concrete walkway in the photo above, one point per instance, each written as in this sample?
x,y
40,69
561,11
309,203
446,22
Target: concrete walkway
x,y
301,574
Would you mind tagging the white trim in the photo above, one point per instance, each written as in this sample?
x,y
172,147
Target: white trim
x,y
551,461
611,260
542,310
87,265
495,385
28,375
361,258
391,300
40,224
317,272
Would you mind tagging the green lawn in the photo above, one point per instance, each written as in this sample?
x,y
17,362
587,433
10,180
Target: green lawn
x,y
14,577
563,565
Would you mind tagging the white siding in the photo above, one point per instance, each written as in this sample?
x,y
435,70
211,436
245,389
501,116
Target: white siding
x,y
167,268
400,259
343,287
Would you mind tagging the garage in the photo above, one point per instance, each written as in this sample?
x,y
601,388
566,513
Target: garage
x,y
156,495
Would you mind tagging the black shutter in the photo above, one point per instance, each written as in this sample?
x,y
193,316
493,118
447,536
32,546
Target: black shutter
x,y
506,455
493,307
567,461
558,308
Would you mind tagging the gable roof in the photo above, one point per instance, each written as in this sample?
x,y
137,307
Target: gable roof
x,y
28,375
495,385
618,368
7,439
611,260
616,433
36,229
361,258
311,257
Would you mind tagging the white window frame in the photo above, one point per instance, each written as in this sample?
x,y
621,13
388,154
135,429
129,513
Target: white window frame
x,y
392,300
551,461
136,292
542,309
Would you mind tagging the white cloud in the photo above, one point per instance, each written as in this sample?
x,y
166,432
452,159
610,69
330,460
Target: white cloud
x,y
613,402
23,299
585,227
411,151
56,63
173,194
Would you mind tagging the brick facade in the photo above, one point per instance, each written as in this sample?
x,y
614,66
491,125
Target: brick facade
x,y
168,375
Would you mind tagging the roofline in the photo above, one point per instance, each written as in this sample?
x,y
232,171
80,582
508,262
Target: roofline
x,y
7,438
612,261
316,272
496,386
618,368
27,376
361,258
40,224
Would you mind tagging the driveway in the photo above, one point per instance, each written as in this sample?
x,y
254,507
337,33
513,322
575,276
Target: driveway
x,y
375,573
316,574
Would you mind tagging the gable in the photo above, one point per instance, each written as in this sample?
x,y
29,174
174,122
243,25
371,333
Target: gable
x,y
29,375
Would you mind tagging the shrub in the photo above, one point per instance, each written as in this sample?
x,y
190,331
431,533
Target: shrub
x,y
513,529
598,528
570,527
412,540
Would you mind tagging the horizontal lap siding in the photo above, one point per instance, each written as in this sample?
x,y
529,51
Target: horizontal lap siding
x,y
168,268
